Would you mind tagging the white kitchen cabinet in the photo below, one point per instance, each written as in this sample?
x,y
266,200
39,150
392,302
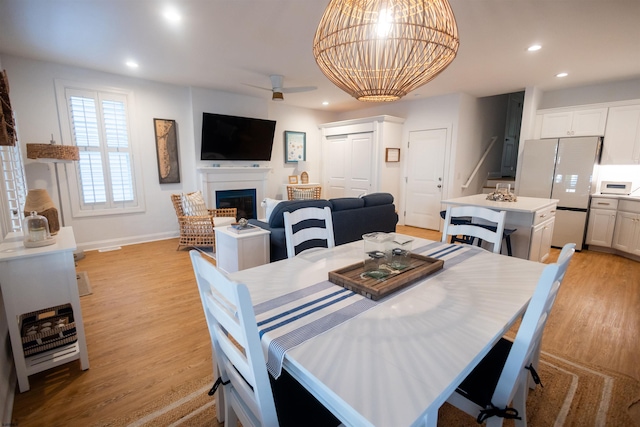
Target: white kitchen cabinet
x,y
587,122
600,228
622,136
541,240
602,220
626,236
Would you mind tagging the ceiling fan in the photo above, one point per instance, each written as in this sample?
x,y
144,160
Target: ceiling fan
x,y
278,90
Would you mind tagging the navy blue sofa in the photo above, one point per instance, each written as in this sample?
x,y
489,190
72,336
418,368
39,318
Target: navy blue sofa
x,y
352,217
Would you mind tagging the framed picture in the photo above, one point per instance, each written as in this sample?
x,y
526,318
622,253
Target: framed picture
x,y
167,151
293,179
295,146
392,155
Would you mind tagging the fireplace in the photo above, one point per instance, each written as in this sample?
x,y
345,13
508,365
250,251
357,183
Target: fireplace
x,y
243,200
227,178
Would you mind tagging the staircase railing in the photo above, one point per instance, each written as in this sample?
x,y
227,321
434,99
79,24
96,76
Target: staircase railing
x,y
480,162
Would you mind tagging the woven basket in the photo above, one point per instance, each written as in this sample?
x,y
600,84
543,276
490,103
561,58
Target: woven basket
x,y
50,151
47,329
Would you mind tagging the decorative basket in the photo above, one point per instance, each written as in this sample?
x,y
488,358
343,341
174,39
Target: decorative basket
x,y
51,151
47,329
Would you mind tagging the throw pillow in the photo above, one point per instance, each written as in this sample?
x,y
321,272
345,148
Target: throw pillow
x,y
269,205
193,204
303,194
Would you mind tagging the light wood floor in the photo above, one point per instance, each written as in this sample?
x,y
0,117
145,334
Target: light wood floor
x,y
146,332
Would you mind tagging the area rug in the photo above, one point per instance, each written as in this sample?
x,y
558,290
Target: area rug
x,y
84,286
573,395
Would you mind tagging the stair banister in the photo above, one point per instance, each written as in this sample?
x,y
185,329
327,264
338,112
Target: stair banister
x,y
480,162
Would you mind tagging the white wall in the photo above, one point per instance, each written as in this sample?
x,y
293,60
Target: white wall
x,y
33,98
592,94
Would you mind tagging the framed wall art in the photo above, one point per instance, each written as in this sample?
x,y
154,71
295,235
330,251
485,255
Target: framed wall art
x,y
392,155
293,179
295,146
167,151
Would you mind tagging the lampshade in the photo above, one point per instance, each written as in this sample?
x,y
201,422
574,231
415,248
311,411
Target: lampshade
x,y
379,50
53,151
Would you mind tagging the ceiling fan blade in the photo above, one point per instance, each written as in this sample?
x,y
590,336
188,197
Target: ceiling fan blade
x,y
299,89
259,87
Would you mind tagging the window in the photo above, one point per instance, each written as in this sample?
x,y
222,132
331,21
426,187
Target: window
x,y
14,190
97,121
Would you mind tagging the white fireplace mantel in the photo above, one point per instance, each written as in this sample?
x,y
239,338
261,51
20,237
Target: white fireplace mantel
x,y
221,178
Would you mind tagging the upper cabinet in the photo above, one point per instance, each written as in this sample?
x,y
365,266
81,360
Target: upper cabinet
x,y
587,122
622,136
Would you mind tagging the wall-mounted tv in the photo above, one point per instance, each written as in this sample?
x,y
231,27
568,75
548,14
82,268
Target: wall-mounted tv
x,y
236,138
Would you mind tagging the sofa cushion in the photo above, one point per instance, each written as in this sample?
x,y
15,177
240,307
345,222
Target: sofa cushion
x,y
346,203
377,199
277,219
193,204
269,205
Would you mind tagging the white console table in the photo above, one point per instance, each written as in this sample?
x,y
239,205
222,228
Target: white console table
x,y
239,251
34,279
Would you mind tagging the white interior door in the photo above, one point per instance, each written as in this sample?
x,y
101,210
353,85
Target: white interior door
x,y
348,165
425,178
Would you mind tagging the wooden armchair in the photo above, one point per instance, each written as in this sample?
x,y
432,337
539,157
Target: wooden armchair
x,y
303,193
197,230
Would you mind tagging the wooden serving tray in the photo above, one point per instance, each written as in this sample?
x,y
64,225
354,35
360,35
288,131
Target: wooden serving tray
x,y
350,277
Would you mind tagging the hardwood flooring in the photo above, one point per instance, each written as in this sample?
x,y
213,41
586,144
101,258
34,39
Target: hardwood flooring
x,y
146,331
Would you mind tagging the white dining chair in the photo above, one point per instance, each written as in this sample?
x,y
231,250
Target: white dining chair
x,y
485,224
308,228
248,392
502,377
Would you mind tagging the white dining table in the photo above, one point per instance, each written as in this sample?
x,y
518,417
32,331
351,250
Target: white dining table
x,y
397,361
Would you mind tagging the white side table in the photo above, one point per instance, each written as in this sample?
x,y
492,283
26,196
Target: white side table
x,y
33,279
239,251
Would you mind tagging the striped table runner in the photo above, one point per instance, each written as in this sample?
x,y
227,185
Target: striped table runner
x,y
289,320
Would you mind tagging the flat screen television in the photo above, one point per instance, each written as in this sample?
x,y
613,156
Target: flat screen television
x,y
236,138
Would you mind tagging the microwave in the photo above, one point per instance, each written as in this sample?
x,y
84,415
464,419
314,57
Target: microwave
x,y
615,187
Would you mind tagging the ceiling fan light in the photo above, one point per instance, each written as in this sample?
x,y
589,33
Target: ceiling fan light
x,y
277,96
380,50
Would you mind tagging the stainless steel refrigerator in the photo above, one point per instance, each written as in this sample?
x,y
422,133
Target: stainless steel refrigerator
x,y
563,169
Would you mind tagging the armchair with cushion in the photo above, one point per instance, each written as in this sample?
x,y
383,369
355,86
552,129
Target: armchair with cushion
x,y
197,222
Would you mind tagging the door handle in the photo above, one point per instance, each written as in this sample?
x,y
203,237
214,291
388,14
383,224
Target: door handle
x,y
439,186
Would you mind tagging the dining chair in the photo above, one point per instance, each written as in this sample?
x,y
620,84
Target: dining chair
x,y
307,228
506,234
249,394
477,227
502,376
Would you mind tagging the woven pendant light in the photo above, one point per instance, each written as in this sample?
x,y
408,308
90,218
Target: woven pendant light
x,y
380,50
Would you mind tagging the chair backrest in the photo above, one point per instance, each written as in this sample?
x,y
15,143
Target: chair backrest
x,y
176,199
224,212
307,228
479,226
529,335
232,323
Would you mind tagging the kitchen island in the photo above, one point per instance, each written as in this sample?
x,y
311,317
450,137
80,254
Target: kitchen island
x,y
532,217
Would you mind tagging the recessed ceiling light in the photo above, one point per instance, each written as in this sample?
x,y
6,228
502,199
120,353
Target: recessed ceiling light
x,y
132,64
172,15
534,47
562,74
325,103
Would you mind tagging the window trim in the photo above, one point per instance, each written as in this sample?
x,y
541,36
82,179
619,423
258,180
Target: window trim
x,y
70,180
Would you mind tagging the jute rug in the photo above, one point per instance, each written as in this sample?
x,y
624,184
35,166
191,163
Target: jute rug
x,y
84,286
573,395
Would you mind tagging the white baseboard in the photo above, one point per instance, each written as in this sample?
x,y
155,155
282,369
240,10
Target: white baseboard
x,y
125,241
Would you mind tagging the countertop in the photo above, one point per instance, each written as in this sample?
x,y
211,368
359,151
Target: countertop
x,y
523,204
635,196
